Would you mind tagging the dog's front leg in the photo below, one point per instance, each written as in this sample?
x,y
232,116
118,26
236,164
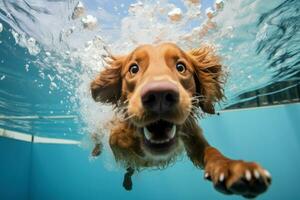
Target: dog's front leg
x,y
229,176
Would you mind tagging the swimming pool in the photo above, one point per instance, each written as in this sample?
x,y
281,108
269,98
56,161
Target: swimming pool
x,y
49,55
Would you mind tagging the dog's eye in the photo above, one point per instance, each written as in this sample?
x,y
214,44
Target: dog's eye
x,y
180,67
134,68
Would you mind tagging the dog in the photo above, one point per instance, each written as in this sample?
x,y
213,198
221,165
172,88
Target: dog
x,y
157,92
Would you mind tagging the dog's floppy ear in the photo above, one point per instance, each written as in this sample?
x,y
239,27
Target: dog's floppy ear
x,y
106,87
208,77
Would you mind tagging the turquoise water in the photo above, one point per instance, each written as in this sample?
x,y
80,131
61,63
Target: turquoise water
x,y
48,58
269,136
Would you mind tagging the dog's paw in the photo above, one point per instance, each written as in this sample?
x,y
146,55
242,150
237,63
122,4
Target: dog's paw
x,y
238,177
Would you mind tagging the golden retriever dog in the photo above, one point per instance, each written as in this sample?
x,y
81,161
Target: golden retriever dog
x,y
157,92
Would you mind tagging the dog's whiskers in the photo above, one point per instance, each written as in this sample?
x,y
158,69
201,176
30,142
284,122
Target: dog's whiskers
x,y
128,117
198,99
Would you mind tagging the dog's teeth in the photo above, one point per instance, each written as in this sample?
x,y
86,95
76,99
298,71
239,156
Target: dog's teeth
x,y
172,133
153,141
147,134
159,141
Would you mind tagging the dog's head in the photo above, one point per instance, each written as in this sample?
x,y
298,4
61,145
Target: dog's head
x,y
158,88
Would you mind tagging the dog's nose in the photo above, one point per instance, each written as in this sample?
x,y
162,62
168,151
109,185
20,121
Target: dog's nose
x,y
159,96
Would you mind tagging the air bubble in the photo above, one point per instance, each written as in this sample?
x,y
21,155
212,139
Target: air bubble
x,y
89,22
26,67
53,86
42,75
175,14
51,78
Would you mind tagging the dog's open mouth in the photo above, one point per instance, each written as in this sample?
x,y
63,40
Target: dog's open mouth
x,y
159,136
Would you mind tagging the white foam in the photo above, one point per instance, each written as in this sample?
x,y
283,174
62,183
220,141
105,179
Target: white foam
x,y
27,42
89,22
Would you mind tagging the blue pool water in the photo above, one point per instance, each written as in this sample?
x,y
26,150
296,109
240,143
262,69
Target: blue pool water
x,y
269,136
48,59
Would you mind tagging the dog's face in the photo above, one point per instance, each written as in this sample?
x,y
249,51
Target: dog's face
x,y
159,88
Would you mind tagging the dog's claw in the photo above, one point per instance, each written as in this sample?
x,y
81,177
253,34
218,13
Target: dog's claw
x,y
222,177
220,185
267,173
248,175
256,174
207,176
268,176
